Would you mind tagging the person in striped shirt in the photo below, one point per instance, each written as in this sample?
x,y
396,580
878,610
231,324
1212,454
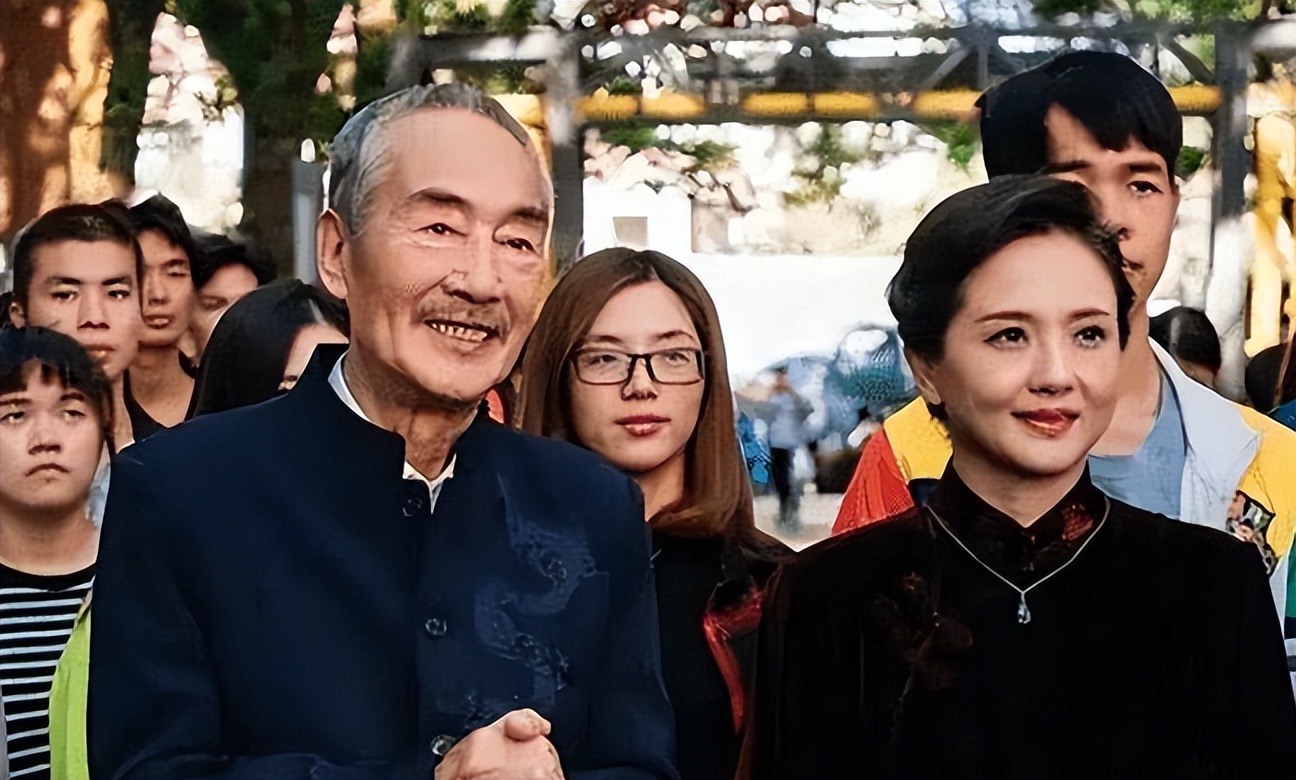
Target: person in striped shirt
x,y
55,421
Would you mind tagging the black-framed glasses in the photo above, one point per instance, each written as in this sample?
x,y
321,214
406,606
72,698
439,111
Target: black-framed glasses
x,y
680,366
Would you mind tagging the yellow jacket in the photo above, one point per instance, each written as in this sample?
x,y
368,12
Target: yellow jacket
x,y
69,696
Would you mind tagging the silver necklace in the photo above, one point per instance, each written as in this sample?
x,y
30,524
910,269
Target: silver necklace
x,y
1023,612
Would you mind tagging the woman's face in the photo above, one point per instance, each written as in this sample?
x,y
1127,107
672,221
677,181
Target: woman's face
x,y
638,424
1028,377
308,338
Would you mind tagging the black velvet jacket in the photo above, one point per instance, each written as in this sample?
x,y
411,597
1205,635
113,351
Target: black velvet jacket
x,y
890,652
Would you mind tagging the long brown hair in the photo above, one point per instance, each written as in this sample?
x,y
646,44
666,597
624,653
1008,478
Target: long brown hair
x,y
717,497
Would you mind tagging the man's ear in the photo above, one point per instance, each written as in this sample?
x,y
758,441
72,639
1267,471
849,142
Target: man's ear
x,y
16,315
333,252
923,372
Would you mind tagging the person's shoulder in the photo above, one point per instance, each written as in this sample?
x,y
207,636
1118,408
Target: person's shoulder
x,y
1180,542
549,458
854,560
208,437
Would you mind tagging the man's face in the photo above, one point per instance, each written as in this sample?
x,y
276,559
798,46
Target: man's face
x,y
87,290
168,291
50,444
1137,196
223,290
446,277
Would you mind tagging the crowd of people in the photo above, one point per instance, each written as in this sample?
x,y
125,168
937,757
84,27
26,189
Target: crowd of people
x,y
444,516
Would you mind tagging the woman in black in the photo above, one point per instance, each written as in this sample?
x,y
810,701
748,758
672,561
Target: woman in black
x,y
627,360
1023,625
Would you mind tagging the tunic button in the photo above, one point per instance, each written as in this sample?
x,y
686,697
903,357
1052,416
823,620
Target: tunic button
x,y
435,627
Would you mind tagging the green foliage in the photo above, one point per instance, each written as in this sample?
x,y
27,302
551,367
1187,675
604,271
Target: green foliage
x,y
961,139
707,155
637,137
518,15
131,28
1190,161
624,85
1173,10
820,169
275,51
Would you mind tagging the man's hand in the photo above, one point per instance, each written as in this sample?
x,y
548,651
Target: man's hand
x,y
515,747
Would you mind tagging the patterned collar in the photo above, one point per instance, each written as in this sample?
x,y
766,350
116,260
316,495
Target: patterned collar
x,y
1023,555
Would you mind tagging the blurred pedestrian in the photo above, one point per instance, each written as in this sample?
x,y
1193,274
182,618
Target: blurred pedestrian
x,y
1190,338
261,346
225,271
787,435
160,381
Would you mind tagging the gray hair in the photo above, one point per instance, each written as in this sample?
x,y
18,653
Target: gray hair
x,y
357,160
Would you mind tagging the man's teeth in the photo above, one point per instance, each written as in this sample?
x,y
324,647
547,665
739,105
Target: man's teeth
x,y
456,332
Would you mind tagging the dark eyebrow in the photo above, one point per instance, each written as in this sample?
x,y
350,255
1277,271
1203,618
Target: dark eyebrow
x,y
1067,166
1147,167
73,395
20,400
117,280
65,280
176,261
1007,315
592,339
1085,314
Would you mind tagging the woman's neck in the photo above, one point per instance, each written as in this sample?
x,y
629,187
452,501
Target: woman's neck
x,y
1024,498
57,543
663,486
160,384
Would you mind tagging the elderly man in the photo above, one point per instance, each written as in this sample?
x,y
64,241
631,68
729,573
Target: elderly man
x,y
367,578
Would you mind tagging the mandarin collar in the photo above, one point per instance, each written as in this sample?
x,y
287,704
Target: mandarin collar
x,y
1021,554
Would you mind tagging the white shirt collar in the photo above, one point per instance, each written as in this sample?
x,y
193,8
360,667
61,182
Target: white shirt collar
x,y
338,382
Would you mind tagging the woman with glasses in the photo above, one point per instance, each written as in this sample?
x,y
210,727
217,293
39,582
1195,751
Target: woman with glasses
x,y
627,360
1021,624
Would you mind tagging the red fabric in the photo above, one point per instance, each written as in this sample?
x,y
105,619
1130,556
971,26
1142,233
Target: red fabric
x,y
877,491
719,627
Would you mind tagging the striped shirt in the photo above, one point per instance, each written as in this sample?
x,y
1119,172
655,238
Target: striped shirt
x,y
36,617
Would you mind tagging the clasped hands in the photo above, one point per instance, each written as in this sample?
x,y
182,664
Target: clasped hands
x,y
515,747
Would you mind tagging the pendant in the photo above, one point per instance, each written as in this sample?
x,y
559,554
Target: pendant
x,y
1023,612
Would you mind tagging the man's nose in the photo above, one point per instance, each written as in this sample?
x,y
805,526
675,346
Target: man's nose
x,y
42,436
1115,207
155,291
92,311
477,279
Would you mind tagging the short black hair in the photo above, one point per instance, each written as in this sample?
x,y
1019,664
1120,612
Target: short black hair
x,y
216,252
965,229
58,356
88,222
160,214
1188,335
1113,96
1262,374
244,361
